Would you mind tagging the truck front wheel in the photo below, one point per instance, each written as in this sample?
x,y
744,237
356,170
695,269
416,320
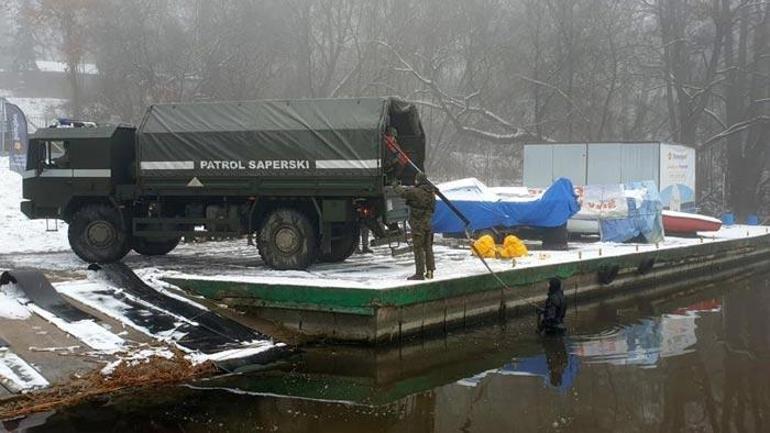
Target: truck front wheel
x,y
288,240
97,235
147,247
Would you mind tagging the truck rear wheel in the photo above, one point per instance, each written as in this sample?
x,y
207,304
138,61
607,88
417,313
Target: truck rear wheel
x,y
288,240
345,238
96,234
147,247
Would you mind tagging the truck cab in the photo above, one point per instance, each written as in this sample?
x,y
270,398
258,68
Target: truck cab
x,y
67,166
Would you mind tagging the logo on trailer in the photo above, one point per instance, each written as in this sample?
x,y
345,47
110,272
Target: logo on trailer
x,y
271,164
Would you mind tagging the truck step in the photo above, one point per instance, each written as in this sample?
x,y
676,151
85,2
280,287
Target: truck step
x,y
391,237
400,251
51,228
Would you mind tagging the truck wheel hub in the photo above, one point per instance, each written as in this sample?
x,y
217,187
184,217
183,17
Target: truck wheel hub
x,y
100,234
287,240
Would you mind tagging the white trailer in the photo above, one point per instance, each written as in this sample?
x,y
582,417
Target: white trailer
x,y
671,166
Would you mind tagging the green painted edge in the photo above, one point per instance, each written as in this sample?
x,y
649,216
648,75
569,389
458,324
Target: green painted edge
x,y
367,301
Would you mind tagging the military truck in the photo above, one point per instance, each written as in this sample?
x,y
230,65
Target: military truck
x,y
300,175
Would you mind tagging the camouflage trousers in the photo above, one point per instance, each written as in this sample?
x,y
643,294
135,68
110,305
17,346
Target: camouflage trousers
x,y
423,251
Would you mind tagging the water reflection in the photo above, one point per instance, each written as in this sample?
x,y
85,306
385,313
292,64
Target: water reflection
x,y
643,343
556,366
696,364
646,342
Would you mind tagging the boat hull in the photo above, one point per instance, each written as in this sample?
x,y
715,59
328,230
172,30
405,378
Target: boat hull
x,y
684,223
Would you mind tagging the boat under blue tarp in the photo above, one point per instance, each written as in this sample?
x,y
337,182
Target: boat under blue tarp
x,y
553,209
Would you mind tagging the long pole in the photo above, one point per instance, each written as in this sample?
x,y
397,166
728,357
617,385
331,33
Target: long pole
x,y
463,218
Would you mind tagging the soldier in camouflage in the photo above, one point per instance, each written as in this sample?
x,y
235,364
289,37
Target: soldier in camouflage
x,y
421,200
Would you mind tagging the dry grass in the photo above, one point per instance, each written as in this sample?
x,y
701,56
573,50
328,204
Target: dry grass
x,y
155,371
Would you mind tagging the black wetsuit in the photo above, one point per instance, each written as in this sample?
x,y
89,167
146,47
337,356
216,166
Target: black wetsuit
x,y
552,316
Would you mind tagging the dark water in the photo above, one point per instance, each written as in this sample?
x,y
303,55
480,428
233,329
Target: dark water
x,y
693,363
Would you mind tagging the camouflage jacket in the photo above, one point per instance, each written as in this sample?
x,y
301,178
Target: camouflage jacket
x,y
422,202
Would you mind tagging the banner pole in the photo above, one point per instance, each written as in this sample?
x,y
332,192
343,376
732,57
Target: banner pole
x,y
3,127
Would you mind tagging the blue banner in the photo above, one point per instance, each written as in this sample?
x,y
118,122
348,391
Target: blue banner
x,y
16,137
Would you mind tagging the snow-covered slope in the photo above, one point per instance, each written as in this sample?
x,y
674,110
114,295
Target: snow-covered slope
x,y
17,233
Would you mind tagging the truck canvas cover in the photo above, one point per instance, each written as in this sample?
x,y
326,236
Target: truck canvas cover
x,y
296,138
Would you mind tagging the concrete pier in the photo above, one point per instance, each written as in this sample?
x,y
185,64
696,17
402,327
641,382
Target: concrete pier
x,y
388,312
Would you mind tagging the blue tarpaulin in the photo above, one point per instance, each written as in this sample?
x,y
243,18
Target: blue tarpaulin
x,y
553,209
644,218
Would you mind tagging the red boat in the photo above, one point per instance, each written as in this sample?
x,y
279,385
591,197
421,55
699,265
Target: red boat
x,y
688,223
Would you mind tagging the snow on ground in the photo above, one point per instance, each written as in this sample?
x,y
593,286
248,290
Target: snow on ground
x,y
17,375
17,232
10,307
381,271
137,357
89,332
14,305
56,66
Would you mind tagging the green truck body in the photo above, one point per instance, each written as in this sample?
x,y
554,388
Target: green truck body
x,y
300,174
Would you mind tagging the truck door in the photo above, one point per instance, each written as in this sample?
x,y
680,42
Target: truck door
x,y
51,182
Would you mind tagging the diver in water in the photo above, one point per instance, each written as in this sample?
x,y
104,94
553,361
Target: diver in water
x,y
551,316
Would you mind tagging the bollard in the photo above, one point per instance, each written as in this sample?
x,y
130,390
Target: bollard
x,y
600,252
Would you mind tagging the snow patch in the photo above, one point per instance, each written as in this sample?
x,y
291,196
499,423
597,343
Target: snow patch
x,y
136,358
11,303
21,234
250,349
54,66
17,374
87,331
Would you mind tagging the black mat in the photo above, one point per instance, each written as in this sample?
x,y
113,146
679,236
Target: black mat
x,y
39,290
213,332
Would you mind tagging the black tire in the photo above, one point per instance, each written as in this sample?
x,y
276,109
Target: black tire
x,y
288,240
97,234
345,238
147,247
608,273
646,265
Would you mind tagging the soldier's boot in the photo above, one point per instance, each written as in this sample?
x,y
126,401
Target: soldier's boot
x,y
430,262
419,256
